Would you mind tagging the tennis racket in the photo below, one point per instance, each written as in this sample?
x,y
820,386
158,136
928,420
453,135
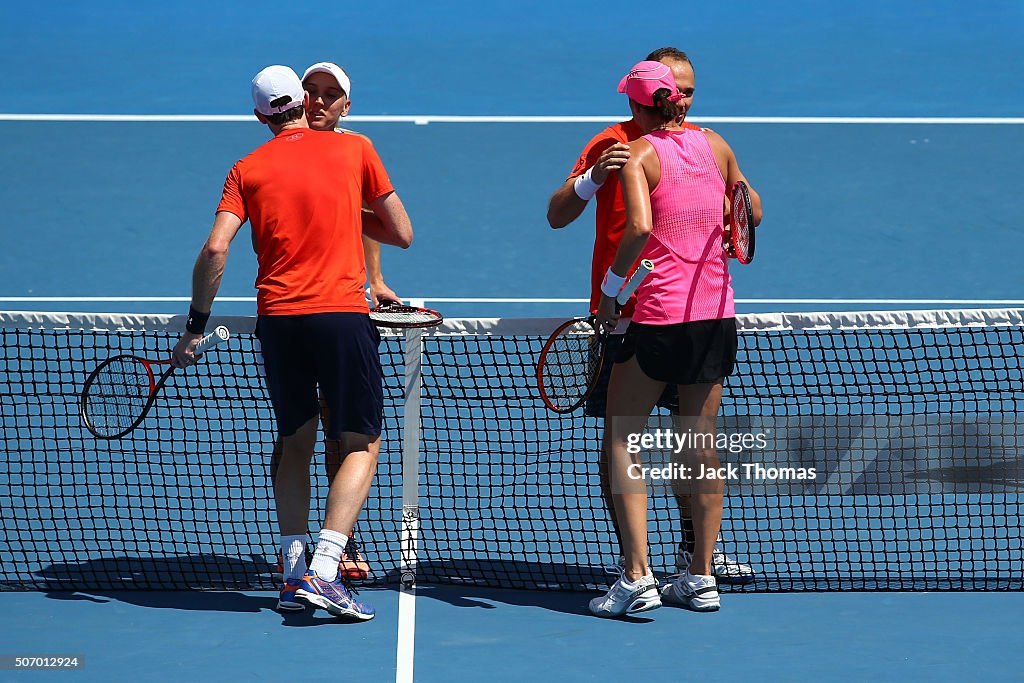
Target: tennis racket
x,y
741,225
119,393
397,316
571,360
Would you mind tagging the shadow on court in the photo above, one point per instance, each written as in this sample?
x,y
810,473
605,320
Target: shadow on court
x,y
198,601
480,598
215,583
175,582
522,575
567,588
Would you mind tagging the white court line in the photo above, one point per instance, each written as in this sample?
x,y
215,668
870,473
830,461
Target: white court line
x,y
406,650
423,119
405,664
419,300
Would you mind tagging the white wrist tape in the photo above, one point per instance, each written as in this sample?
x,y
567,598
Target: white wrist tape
x,y
612,284
585,186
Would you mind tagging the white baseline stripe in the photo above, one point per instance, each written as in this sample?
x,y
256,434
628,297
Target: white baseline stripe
x,y
449,300
423,119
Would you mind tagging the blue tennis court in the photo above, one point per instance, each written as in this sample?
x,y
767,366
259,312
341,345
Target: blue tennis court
x,y
884,142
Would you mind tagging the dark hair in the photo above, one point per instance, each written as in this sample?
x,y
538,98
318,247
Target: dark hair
x,y
663,108
669,53
284,117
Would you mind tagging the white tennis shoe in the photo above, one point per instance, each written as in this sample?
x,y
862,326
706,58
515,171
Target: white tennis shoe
x,y
627,598
724,568
697,593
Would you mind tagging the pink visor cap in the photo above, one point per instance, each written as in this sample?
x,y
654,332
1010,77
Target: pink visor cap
x,y
644,79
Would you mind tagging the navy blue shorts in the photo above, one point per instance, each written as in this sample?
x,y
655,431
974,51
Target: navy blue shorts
x,y
336,352
597,402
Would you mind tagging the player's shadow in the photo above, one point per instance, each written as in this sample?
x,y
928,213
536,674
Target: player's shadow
x,y
205,583
216,583
480,597
565,588
163,582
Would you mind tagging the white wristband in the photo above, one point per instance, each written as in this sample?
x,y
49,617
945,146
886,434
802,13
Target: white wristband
x,y
612,284
585,186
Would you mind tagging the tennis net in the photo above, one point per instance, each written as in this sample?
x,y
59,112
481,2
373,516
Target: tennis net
x,y
910,421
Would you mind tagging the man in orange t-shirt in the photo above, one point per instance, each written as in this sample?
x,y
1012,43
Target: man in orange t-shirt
x,y
303,193
594,175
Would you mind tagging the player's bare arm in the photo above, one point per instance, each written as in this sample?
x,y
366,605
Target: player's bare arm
x,y
566,205
206,277
730,169
379,291
394,228
637,176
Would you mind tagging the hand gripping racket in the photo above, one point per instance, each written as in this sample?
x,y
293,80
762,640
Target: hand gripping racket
x,y
741,225
571,360
119,393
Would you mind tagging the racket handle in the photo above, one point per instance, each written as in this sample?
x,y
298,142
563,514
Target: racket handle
x,y
218,336
645,269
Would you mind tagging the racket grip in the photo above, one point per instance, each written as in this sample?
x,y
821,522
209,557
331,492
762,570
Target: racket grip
x,y
218,336
645,269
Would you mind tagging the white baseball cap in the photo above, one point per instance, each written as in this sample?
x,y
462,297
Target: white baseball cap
x,y
334,70
276,89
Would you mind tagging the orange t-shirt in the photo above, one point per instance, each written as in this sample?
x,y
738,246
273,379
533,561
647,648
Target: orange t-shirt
x,y
303,193
611,209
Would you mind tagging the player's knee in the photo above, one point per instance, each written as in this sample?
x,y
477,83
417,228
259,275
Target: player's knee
x,y
301,442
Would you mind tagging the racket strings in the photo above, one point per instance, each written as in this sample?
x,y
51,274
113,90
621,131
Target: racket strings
x,y
117,395
572,359
740,223
403,317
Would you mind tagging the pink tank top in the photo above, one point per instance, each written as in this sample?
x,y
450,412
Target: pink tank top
x,y
691,271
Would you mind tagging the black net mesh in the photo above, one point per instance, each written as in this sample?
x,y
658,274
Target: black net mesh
x,y
913,434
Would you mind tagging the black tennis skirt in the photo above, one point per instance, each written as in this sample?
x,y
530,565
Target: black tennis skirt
x,y
698,352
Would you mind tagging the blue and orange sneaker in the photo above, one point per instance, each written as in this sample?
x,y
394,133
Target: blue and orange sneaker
x,y
287,601
336,597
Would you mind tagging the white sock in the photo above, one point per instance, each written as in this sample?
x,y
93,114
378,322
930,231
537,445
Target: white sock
x,y
293,556
330,545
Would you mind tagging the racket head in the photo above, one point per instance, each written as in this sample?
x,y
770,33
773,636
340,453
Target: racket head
x,y
399,317
570,364
741,224
118,393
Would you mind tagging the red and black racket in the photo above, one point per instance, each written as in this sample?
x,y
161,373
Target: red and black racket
x,y
119,393
397,316
741,225
571,360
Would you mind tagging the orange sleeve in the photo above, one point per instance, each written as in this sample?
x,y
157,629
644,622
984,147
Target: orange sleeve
x,y
376,182
592,152
231,199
